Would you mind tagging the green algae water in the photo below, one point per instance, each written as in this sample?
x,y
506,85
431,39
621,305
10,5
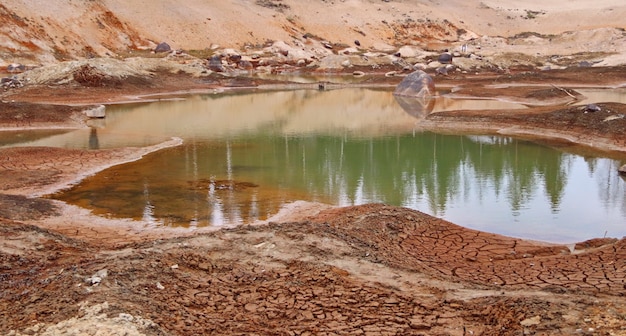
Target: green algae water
x,y
246,156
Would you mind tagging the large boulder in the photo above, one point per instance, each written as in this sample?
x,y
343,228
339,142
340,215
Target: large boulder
x,y
415,94
416,84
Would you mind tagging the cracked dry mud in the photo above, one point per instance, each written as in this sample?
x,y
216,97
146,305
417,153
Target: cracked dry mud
x,y
320,270
372,270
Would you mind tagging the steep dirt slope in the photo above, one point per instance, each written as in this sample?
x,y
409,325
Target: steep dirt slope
x,y
61,29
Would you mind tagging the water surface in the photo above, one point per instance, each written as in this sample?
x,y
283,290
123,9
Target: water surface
x,y
247,155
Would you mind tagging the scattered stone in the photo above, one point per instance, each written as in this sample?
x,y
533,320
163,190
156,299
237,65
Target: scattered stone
x,y
358,74
622,170
159,286
16,67
585,64
162,47
327,45
441,71
591,108
357,43
10,83
97,278
234,58
445,58
215,64
246,65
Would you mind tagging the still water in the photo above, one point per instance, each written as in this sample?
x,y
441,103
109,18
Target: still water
x,y
247,155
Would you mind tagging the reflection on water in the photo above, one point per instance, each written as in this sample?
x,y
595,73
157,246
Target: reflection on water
x,y
418,107
494,184
247,155
13,138
352,111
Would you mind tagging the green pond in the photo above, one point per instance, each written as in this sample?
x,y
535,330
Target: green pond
x,y
246,156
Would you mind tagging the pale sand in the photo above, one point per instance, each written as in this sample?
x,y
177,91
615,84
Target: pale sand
x,y
196,24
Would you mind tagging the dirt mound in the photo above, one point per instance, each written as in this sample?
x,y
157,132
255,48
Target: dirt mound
x,y
109,71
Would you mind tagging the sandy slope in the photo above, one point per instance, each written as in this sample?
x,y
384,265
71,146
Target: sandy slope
x,y
64,28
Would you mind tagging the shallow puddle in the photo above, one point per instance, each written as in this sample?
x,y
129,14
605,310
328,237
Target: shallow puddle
x,y
247,155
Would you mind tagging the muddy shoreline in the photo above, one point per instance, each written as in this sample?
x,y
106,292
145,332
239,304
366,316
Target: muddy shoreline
x,y
314,269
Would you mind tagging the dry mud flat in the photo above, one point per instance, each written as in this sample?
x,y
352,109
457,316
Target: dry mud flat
x,y
368,270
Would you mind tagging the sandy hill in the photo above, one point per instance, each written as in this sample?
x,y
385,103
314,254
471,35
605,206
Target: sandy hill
x,y
42,32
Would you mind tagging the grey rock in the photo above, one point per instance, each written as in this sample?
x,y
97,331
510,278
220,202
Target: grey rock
x,y
247,65
415,94
162,47
442,70
592,108
445,58
10,83
416,84
16,67
215,64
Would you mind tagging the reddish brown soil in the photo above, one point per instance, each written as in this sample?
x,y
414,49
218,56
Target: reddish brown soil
x,y
367,270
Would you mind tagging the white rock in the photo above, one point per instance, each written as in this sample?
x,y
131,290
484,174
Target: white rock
x,y
411,51
97,112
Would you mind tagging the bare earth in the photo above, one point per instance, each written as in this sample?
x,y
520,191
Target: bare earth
x,y
312,269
